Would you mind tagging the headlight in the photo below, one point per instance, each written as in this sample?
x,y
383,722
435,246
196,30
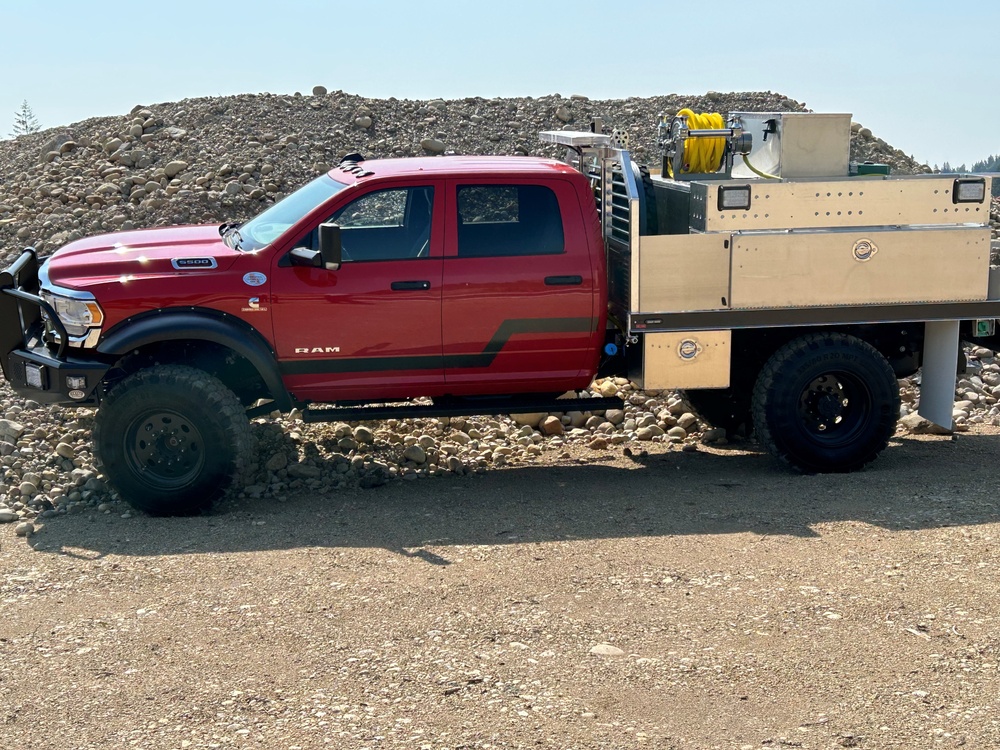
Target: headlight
x,y
78,314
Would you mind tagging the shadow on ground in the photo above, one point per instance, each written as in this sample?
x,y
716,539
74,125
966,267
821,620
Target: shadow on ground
x,y
915,484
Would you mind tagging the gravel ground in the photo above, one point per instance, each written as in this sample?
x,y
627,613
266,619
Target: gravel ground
x,y
698,599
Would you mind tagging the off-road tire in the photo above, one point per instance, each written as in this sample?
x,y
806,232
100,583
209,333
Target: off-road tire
x,y
172,439
826,402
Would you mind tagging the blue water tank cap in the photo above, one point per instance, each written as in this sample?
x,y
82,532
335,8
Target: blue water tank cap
x,y
611,349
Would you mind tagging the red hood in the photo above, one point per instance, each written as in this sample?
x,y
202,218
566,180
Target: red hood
x,y
147,252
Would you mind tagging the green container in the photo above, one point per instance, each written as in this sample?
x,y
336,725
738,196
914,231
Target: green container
x,y
868,167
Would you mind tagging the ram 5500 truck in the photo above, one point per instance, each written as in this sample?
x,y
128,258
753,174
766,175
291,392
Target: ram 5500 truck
x,y
783,293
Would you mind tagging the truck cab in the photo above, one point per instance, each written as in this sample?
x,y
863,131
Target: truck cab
x,y
380,281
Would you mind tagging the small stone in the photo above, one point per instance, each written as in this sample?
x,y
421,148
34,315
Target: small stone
x,y
917,425
432,146
174,168
686,420
364,434
303,471
713,435
11,429
563,114
364,122
8,516
415,453
615,416
676,434
65,450
319,90
644,433
531,419
551,426
608,388
598,444
277,462
606,649
25,528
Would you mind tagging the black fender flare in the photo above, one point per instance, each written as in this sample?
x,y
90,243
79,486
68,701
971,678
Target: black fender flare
x,y
199,325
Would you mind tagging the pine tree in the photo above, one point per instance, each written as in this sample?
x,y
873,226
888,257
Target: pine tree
x,y
25,121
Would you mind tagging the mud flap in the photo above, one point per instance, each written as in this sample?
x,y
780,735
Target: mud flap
x,y
937,379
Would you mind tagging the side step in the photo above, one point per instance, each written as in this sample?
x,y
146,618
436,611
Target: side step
x,y
460,408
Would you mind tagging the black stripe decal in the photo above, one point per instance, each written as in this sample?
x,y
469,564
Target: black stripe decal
x,y
503,334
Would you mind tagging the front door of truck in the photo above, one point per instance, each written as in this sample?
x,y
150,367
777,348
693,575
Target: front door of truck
x,y
519,299
371,329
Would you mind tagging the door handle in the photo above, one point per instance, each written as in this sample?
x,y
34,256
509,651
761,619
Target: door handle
x,y
563,280
404,286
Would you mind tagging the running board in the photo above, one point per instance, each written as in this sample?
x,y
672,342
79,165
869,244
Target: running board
x,y
465,408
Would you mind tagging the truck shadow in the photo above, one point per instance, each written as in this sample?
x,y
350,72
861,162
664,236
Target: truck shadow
x,y
916,484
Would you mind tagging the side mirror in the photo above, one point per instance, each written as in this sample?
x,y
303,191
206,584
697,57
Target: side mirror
x,y
304,256
330,248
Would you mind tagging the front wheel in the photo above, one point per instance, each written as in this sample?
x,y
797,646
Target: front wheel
x,y
171,439
826,402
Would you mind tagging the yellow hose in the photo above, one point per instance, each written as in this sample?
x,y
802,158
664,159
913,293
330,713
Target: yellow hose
x,y
702,155
757,172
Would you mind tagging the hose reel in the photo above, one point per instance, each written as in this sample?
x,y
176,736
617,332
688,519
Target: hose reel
x,y
701,144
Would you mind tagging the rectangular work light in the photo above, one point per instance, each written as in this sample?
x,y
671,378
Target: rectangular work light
x,y
34,376
734,198
969,190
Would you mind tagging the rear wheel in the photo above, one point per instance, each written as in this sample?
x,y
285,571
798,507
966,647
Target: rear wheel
x,y
171,439
826,402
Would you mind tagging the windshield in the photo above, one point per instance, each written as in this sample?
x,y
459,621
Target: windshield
x,y
266,227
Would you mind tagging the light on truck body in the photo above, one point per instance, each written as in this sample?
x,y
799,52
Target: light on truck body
x,y
34,375
969,190
734,198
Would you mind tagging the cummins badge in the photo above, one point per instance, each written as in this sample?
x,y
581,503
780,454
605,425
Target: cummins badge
x,y
864,250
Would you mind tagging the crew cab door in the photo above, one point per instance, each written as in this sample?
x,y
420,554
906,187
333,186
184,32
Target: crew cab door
x,y
519,307
372,328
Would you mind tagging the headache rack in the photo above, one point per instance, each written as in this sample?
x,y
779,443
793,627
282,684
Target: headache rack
x,y
620,197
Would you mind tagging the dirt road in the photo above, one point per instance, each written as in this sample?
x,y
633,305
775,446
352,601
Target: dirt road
x,y
730,605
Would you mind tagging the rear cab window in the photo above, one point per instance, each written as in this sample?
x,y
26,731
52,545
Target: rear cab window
x,y
508,220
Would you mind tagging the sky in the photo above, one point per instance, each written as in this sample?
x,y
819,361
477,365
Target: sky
x,y
921,74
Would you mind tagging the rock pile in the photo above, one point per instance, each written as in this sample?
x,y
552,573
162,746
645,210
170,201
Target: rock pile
x,y
224,159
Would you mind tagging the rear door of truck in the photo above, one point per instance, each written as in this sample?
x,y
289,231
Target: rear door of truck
x,y
518,305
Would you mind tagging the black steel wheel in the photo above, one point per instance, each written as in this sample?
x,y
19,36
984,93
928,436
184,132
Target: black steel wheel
x,y
171,439
826,402
166,447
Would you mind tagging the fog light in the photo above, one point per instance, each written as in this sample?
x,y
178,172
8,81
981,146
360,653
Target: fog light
x,y
734,198
969,190
76,382
34,375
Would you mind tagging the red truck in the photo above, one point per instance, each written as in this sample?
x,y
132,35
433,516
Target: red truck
x,y
488,284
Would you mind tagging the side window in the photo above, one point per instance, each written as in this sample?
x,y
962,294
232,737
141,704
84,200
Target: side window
x,y
505,220
392,224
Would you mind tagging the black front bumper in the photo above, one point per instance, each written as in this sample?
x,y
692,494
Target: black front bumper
x,y
34,368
